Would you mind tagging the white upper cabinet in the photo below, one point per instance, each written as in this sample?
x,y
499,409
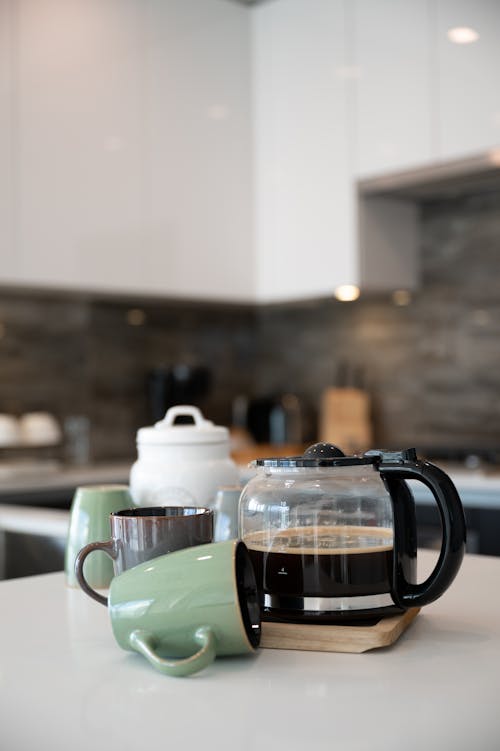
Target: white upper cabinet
x,y
79,154
391,50
133,146
199,138
205,149
305,240
312,233
468,77
422,97
8,264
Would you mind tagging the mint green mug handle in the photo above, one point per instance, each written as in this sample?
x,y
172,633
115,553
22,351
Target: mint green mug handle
x,y
108,547
144,642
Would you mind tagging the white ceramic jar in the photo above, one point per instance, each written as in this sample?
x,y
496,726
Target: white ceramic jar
x,y
181,464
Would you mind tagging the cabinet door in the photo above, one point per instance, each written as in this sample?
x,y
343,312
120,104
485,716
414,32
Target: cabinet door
x,y
390,44
134,146
468,78
199,138
8,267
303,185
78,150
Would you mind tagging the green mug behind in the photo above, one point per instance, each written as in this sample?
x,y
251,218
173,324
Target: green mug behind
x,y
183,609
89,522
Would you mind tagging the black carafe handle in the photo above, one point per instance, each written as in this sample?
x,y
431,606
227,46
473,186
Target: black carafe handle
x,y
452,516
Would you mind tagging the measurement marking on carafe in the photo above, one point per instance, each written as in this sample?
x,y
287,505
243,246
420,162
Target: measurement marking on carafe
x,y
282,572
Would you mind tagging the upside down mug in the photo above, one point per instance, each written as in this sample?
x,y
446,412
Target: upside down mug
x,y
183,609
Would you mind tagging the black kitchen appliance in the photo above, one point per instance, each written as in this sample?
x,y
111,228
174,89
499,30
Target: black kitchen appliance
x,y
181,383
275,419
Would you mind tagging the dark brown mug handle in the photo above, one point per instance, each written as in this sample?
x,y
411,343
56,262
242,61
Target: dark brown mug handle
x,y
107,547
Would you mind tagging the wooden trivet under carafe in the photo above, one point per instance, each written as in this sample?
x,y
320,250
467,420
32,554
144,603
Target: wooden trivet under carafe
x,y
314,637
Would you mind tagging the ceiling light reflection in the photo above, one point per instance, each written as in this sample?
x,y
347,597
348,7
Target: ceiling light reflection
x,y
462,35
494,157
347,292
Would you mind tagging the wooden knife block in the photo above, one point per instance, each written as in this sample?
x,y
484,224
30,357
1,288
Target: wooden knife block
x,y
345,419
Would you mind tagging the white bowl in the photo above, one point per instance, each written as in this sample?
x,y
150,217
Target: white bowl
x,y
39,429
10,431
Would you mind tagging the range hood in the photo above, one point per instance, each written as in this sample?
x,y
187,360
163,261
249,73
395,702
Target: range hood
x,y
389,214
438,180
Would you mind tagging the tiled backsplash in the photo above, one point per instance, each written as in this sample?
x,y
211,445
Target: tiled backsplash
x,y
433,367
82,357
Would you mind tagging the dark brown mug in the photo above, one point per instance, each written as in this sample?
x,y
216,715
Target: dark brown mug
x,y
140,534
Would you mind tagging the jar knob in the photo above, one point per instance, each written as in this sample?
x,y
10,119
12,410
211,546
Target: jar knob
x,y
182,410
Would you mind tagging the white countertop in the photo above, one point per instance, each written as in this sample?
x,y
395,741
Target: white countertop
x,y
44,477
65,684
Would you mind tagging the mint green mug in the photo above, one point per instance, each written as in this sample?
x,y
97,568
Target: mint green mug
x,y
183,609
89,522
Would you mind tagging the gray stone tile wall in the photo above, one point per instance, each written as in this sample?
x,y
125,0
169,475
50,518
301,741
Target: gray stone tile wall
x,y
432,367
74,356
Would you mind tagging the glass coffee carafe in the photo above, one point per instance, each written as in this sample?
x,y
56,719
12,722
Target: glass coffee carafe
x,y
333,538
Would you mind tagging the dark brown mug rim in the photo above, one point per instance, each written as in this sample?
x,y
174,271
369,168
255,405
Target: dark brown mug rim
x,y
160,512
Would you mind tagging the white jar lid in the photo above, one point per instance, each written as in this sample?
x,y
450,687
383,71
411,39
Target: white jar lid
x,y
167,432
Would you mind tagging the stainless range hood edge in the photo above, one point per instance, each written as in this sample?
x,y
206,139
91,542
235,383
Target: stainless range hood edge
x,y
439,179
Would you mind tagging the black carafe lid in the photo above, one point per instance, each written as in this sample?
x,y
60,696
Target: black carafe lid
x,y
328,455
317,455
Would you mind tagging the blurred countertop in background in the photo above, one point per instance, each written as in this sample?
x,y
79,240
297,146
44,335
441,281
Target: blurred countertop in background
x,y
51,482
